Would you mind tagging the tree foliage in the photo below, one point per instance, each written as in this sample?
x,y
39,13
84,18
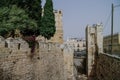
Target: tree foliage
x,y
15,18
32,8
26,16
48,21
4,29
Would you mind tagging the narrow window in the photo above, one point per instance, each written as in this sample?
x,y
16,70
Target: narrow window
x,y
18,46
6,44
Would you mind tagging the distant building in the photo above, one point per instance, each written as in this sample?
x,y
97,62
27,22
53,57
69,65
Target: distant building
x,y
58,36
76,43
115,46
79,54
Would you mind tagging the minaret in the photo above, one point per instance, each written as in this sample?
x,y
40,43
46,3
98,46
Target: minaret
x,y
58,36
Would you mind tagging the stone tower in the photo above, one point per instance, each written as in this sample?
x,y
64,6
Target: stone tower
x,y
58,36
94,44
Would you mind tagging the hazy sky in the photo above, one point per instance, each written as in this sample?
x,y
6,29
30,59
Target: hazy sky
x,y
78,13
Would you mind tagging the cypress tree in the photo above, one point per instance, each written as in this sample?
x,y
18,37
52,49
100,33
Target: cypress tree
x,y
48,20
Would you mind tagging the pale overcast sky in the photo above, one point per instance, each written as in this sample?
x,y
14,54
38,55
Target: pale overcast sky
x,y
78,13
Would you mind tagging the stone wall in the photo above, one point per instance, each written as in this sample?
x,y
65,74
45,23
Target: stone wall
x,y
46,63
15,65
52,62
108,67
94,46
68,63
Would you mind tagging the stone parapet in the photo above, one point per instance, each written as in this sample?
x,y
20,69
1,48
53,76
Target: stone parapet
x,y
47,63
108,67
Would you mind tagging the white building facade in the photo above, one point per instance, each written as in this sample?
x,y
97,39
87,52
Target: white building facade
x,y
76,43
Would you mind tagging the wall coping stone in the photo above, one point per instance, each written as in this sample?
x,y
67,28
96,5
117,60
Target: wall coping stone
x,y
113,56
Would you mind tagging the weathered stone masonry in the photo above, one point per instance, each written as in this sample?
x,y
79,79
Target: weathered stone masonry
x,y
108,67
94,44
100,66
46,64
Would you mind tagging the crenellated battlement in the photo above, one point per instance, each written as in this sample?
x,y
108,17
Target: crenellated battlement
x,y
49,60
14,44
